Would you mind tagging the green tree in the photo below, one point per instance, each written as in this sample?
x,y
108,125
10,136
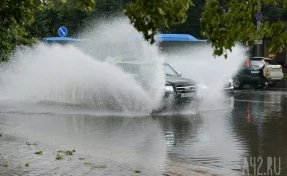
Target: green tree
x,y
148,16
15,15
223,22
49,20
192,23
18,15
236,22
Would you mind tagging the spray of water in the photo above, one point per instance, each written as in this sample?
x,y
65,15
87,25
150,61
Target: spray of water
x,y
211,73
82,74
75,75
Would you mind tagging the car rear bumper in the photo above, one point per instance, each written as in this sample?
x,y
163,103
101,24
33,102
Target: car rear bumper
x,y
255,80
276,76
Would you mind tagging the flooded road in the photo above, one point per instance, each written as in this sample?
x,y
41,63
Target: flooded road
x,y
218,139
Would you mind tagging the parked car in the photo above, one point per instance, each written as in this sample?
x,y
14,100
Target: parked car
x,y
273,72
179,92
258,72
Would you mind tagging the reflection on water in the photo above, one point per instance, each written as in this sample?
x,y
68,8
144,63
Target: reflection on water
x,y
260,124
221,135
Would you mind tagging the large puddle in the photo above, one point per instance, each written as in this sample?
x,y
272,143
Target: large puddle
x,y
215,140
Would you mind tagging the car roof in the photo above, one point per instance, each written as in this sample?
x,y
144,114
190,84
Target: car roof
x,y
269,59
257,58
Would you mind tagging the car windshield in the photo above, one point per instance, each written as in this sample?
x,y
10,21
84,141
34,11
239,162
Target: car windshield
x,y
270,62
168,70
257,63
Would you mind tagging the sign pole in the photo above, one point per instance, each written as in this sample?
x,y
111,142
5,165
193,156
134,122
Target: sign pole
x,y
259,51
285,63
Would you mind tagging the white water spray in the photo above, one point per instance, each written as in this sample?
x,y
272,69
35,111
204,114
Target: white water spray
x,y
65,74
80,75
213,74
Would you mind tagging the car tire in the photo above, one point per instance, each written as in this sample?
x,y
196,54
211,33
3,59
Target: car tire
x,y
262,86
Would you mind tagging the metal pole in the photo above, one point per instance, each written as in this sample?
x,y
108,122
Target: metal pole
x,y
258,44
259,49
285,63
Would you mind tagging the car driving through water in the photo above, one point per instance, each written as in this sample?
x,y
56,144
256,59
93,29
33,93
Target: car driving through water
x,y
179,92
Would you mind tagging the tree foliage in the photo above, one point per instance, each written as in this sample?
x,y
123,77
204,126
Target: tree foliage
x,y
235,21
192,23
15,15
223,22
148,16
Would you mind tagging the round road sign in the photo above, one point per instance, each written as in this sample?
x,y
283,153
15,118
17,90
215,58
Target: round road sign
x,y
62,31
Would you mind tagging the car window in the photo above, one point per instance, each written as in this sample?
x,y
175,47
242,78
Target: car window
x,y
257,63
271,62
168,70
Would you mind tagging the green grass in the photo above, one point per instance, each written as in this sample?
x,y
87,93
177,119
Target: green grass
x,y
67,152
285,76
59,157
38,153
99,166
137,171
87,163
29,144
27,164
4,165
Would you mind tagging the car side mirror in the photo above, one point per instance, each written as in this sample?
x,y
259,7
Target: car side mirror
x,y
179,74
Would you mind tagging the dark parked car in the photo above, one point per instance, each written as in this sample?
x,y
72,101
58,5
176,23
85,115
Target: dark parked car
x,y
251,73
179,91
258,72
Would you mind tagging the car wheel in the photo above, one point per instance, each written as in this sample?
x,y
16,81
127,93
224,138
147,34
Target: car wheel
x,y
237,84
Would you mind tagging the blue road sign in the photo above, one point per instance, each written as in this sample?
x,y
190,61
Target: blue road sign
x,y
258,16
62,31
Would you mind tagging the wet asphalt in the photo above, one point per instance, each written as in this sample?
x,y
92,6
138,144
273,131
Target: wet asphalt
x,y
216,139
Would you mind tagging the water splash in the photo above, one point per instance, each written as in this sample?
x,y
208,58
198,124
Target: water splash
x,y
71,75
197,63
80,75
212,74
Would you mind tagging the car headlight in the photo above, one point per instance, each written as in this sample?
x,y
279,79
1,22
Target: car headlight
x,y
169,89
